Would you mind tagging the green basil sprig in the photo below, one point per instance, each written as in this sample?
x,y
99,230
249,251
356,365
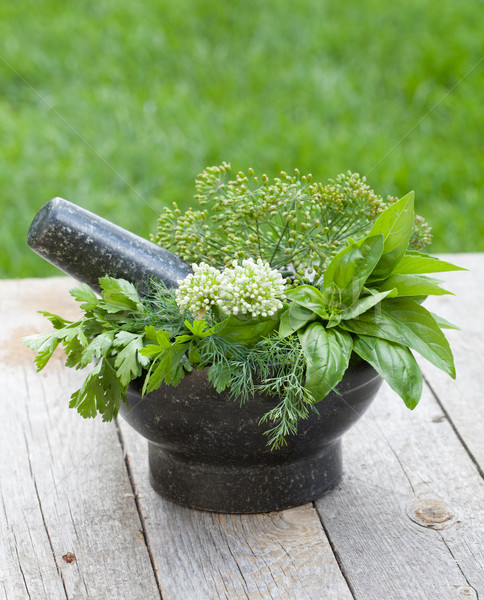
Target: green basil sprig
x,y
369,303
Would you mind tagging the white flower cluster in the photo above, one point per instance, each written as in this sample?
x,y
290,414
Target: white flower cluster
x,y
200,290
252,288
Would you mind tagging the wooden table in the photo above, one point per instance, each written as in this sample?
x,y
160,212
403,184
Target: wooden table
x,y
78,518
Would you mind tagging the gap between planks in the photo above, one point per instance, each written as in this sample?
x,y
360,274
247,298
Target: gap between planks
x,y
139,508
64,481
457,432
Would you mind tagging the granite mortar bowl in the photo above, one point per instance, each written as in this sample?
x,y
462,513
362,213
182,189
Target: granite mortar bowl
x,y
207,451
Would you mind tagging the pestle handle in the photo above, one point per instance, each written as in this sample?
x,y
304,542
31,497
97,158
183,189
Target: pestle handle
x,y
86,246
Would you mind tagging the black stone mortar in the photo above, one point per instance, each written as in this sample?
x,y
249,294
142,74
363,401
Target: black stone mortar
x,y
207,451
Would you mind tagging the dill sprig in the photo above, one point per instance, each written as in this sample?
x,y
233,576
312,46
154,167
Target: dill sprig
x,y
292,222
274,366
279,363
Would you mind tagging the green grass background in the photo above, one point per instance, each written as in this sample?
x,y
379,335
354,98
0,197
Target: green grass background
x,y
117,105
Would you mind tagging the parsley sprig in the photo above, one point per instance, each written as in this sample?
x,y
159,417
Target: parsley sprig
x,y
110,334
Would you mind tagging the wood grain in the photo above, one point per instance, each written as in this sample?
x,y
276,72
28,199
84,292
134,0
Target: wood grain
x,y
413,495
206,556
463,399
64,483
408,519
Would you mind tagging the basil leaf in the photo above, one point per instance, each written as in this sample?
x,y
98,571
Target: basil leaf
x,y
415,263
364,304
348,271
403,321
327,354
374,323
396,225
309,297
413,285
421,332
247,331
334,320
395,363
443,323
294,318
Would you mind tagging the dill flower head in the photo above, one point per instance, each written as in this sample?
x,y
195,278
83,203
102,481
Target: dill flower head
x,y
199,290
252,288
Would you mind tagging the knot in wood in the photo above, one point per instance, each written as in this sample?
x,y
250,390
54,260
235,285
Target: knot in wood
x,y
69,557
466,591
431,512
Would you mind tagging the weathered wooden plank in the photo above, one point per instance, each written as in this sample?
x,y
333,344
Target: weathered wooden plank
x,y
64,484
207,556
407,522
408,518
462,399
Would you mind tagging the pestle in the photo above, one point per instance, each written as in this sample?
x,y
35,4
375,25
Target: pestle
x,y
86,246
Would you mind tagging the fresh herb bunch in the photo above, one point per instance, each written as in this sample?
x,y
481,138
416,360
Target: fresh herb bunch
x,y
293,223
369,303
256,334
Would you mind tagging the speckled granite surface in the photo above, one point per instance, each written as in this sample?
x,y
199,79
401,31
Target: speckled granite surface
x,y
86,246
209,452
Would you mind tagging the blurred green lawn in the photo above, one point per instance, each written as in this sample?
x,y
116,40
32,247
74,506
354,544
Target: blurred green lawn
x,y
117,105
